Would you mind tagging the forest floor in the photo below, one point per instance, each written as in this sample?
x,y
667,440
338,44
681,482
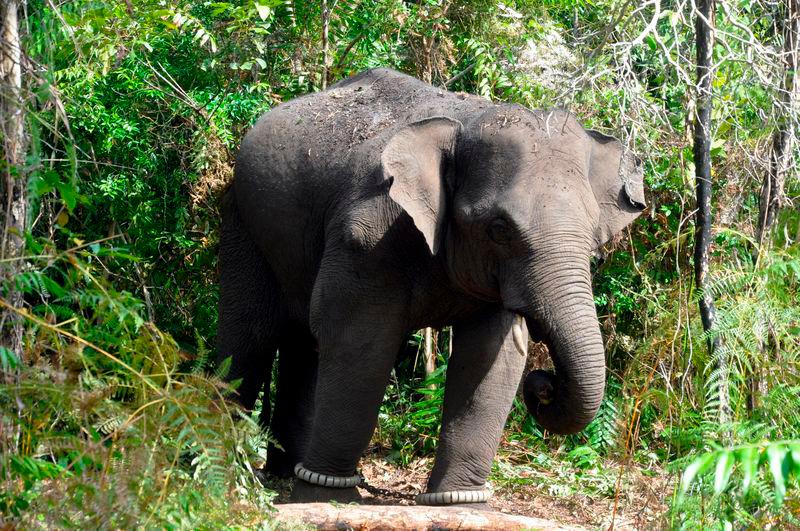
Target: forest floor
x,y
639,503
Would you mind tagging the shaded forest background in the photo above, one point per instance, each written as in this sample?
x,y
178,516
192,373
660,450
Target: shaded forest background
x,y
120,122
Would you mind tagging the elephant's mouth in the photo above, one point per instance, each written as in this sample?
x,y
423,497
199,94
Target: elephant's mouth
x,y
539,386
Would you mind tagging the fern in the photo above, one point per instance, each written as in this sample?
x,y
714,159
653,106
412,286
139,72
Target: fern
x,y
109,425
603,432
754,325
122,416
203,358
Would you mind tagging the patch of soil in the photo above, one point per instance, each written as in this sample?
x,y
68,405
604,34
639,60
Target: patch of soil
x,y
639,503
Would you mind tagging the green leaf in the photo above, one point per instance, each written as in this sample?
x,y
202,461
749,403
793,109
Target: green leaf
x,y
223,368
717,143
38,187
794,449
723,472
748,459
698,466
53,287
69,194
263,11
775,455
41,183
8,360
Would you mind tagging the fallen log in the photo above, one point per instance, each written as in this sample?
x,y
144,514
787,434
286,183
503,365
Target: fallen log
x,y
404,517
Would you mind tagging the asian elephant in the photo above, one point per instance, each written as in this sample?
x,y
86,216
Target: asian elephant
x,y
383,205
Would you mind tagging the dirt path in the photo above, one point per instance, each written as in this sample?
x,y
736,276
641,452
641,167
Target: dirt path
x,y
639,505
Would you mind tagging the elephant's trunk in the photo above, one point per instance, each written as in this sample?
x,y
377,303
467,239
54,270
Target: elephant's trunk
x,y
564,315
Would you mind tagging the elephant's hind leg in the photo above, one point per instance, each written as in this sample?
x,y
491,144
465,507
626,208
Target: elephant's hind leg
x,y
251,312
294,401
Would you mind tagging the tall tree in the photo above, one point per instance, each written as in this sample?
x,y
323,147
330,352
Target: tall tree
x,y
12,187
772,196
430,351
704,36
326,23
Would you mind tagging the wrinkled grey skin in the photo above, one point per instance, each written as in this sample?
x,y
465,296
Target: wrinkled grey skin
x,y
384,205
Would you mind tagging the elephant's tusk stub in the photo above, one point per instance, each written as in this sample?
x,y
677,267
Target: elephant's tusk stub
x,y
520,337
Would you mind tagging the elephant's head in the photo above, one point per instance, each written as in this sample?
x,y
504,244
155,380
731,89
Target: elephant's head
x,y
516,202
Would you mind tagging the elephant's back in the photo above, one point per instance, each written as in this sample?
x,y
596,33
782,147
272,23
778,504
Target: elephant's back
x,y
279,197
311,143
312,155
298,146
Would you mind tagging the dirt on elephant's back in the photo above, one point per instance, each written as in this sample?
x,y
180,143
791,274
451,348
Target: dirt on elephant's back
x,y
640,502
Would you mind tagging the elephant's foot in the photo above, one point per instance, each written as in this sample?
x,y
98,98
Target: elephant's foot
x,y
271,481
262,475
280,465
307,493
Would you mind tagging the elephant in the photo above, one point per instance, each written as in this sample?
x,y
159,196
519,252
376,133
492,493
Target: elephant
x,y
383,205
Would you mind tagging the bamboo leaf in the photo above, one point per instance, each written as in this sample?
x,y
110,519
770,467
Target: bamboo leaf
x,y
723,472
775,455
748,459
698,466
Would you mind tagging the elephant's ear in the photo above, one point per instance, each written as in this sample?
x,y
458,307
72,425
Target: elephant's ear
x,y
617,183
414,163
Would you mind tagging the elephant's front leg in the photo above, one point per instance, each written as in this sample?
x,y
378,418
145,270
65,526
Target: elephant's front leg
x,y
482,378
359,331
353,372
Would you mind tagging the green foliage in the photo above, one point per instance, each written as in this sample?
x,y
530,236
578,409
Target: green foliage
x,y
781,459
8,360
757,326
603,432
742,478
111,429
410,418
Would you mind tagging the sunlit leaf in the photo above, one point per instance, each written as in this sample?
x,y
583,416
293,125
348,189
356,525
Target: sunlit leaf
x,y
723,471
748,462
263,11
776,455
698,466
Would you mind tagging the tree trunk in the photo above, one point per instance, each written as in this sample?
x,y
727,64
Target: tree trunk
x,y
772,197
374,517
430,352
326,23
12,191
704,34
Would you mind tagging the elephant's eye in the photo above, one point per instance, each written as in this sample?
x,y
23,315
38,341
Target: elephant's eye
x,y
499,231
